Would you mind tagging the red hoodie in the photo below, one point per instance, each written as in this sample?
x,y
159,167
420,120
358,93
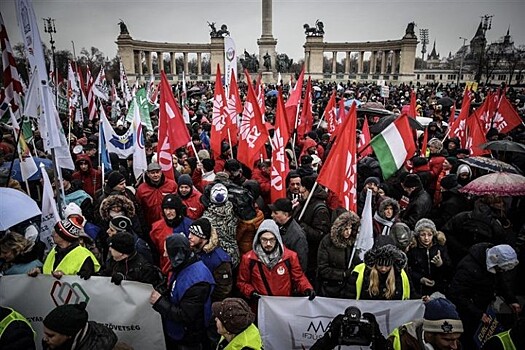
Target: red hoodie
x,y
91,179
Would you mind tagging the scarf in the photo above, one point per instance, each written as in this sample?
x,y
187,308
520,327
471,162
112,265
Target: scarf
x,y
269,259
387,224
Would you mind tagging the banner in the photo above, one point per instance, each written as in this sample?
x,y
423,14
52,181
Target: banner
x,y
230,62
296,323
125,308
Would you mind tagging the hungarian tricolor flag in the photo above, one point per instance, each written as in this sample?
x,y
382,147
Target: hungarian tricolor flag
x,y
292,104
339,172
252,133
279,141
306,120
233,109
219,120
173,133
393,146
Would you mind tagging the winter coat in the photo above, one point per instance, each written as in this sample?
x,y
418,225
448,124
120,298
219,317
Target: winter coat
x,y
420,265
366,295
248,339
91,179
473,287
133,268
333,270
294,239
435,163
94,336
160,231
194,207
18,335
419,207
224,221
264,182
382,225
246,231
452,203
149,196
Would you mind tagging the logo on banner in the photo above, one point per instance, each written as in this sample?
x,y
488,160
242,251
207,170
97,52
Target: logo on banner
x,y
230,54
122,142
65,293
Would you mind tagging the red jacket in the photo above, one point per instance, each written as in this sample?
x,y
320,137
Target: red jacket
x,y
150,197
279,278
435,163
264,181
91,179
159,232
194,207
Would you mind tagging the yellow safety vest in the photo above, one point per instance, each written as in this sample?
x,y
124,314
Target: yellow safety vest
x,y
71,263
506,340
12,317
396,343
360,269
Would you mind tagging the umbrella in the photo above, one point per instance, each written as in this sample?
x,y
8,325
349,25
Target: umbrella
x,y
316,88
386,121
17,174
489,164
271,93
15,207
373,104
348,103
445,101
194,89
497,184
504,146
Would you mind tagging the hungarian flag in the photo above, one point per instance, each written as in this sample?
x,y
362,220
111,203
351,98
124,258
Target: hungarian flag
x,y
73,92
100,87
252,133
459,127
307,118
363,146
219,119
330,115
393,146
279,141
292,104
339,172
506,118
173,133
233,109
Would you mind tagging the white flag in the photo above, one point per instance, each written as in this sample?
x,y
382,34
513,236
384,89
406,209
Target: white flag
x,y
124,85
279,78
140,163
49,211
365,239
27,163
122,145
99,87
230,62
184,102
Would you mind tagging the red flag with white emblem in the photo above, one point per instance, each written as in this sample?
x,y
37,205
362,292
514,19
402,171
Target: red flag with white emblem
x,y
294,98
279,141
306,120
506,118
219,120
363,146
233,109
330,114
459,127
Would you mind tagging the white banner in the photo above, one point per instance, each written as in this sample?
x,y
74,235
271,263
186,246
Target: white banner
x,y
230,62
296,323
125,308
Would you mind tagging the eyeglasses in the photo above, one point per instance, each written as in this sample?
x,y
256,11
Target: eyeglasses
x,y
267,240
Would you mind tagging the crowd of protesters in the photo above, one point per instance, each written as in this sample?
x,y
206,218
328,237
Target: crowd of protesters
x,y
216,233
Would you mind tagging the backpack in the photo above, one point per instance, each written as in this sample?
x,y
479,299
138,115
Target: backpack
x,y
240,197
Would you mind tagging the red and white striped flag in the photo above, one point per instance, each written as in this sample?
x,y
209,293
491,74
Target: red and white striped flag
x,y
279,141
219,121
92,108
233,109
363,146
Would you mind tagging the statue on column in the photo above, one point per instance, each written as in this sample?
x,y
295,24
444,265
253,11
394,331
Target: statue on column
x,y
410,32
213,30
267,61
250,62
317,30
283,62
221,33
123,27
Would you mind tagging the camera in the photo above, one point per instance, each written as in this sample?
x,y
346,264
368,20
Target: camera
x,y
355,330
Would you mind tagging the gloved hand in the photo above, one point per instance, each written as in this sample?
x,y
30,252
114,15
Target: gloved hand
x,y
310,293
84,275
255,296
427,282
347,273
437,260
117,278
378,340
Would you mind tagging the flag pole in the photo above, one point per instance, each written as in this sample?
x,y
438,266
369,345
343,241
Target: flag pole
x,y
15,149
307,201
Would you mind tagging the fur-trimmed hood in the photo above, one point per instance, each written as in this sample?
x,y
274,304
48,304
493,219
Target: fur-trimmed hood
x,y
340,224
126,204
213,242
386,202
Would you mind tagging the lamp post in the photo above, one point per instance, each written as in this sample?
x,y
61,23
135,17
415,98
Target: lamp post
x,y
423,35
49,27
462,59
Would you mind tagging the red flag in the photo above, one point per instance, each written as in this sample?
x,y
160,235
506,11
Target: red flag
x,y
292,104
424,144
475,137
452,115
173,133
363,146
218,123
279,141
506,118
341,117
11,80
339,171
488,110
459,127
329,114
252,134
233,108
412,110
307,118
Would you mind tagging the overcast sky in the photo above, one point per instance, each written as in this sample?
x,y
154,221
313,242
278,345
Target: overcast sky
x,y
94,22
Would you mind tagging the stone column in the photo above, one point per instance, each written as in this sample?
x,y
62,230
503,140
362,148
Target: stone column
x,y
139,61
347,64
334,62
360,62
372,62
407,58
173,64
384,55
315,55
394,62
149,63
160,59
267,42
307,61
199,64
125,51
186,64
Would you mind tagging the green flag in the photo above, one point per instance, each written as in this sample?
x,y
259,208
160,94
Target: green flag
x,y
143,104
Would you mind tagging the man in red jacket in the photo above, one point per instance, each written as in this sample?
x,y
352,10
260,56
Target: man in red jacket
x,y
151,192
190,197
90,177
261,174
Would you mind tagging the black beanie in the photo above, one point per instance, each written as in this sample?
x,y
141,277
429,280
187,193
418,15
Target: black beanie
x,y
185,179
201,228
172,201
67,319
123,242
115,178
308,182
449,181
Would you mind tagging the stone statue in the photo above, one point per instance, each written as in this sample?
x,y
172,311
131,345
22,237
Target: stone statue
x,y
221,33
320,27
123,27
250,62
283,62
267,61
318,30
410,32
213,30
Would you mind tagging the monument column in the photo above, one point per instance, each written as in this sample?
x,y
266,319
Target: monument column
x,y
384,55
173,64
139,61
186,63
360,62
394,61
334,62
347,63
373,62
267,42
149,63
199,64
160,59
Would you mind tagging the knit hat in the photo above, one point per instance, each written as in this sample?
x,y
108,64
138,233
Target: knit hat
x,y
121,223
464,169
308,182
201,228
72,209
185,179
453,161
67,175
425,223
232,165
171,201
123,242
68,230
234,313
115,178
502,256
401,234
441,317
219,194
449,181
67,319
282,204
203,154
372,179
412,180
419,161
385,255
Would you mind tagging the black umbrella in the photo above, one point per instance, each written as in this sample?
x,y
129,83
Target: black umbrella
x,y
445,102
386,121
489,164
504,146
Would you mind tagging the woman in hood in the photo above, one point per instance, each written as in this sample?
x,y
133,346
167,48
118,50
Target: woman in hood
x,y
385,217
333,257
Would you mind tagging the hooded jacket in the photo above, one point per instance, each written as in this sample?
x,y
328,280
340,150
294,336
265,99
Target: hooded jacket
x,y
150,195
95,336
283,278
381,224
91,179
